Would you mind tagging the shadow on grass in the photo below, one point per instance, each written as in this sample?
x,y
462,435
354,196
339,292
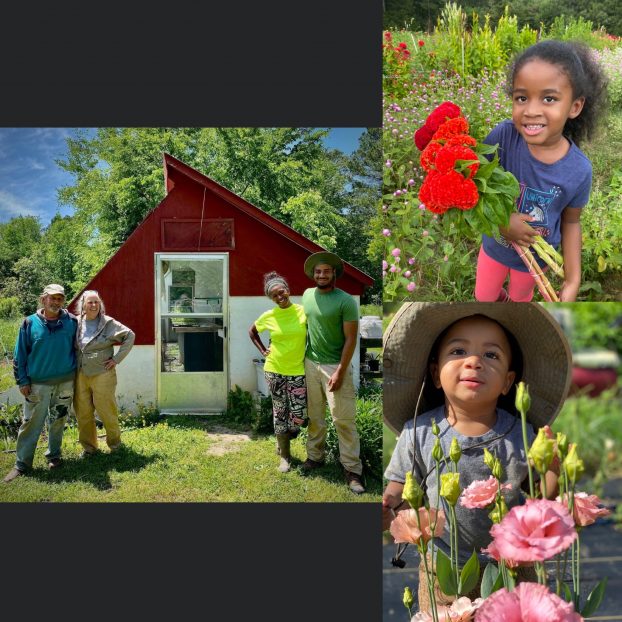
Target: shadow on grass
x,y
96,469
334,472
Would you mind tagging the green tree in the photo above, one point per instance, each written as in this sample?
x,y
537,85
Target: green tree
x,y
18,237
30,276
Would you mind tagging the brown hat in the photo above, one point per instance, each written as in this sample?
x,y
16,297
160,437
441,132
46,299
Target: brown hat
x,y
547,360
53,289
324,257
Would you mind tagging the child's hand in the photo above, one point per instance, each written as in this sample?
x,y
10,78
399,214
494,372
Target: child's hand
x,y
518,230
569,292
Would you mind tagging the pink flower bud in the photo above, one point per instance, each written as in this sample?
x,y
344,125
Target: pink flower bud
x,y
386,232
396,252
408,274
411,287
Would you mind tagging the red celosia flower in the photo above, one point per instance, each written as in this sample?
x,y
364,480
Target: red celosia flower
x,y
459,125
461,139
421,43
402,45
423,136
428,155
447,110
446,158
441,191
388,36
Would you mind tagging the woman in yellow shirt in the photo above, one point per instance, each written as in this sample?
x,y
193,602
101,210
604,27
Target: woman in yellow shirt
x,y
284,367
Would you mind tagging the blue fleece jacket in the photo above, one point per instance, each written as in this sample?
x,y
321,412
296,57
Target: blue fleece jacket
x,y
45,352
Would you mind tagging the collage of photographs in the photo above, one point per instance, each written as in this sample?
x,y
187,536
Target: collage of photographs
x,y
423,317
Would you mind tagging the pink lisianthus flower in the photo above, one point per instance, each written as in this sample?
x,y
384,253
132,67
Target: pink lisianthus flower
x,y
494,553
406,528
586,508
461,610
481,493
534,532
529,601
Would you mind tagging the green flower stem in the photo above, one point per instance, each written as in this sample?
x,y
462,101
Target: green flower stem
x,y
454,542
544,490
558,581
428,574
523,419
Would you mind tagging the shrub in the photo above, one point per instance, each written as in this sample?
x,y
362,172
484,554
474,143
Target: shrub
x,y
247,411
10,421
9,308
145,415
395,67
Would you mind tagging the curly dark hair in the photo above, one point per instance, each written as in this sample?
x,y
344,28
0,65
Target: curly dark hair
x,y
584,74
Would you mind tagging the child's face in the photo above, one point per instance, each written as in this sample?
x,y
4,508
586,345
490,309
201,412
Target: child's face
x,y
473,364
542,102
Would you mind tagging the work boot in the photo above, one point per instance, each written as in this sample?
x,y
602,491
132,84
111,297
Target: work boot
x,y
283,442
355,484
13,474
309,465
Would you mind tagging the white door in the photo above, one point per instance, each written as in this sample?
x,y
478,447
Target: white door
x,y
191,332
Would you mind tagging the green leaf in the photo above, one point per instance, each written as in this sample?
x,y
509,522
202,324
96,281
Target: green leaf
x,y
489,577
594,599
484,148
568,595
485,170
445,574
469,575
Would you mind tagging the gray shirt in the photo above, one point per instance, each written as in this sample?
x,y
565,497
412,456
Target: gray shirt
x,y
88,330
504,440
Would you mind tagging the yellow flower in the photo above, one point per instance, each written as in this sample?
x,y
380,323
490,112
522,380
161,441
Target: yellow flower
x,y
562,444
413,493
450,487
408,599
573,464
523,399
542,451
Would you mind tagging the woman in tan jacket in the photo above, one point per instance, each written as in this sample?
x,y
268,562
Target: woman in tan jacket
x,y
96,380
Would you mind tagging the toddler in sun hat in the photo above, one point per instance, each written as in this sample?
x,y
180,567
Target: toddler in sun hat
x,y
456,365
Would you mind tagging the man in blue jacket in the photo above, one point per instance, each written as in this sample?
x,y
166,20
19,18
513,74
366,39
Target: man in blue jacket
x,y
44,365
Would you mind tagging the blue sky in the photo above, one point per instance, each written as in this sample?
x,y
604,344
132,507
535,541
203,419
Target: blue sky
x,y
30,177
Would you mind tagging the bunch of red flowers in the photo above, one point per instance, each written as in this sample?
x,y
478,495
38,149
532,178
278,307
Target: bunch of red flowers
x,y
458,174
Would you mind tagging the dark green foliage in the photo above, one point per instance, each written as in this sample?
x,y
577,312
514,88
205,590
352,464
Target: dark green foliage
x,y
10,420
9,308
245,410
145,415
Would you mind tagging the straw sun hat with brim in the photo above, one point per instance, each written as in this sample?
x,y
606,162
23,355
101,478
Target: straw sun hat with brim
x,y
408,339
323,257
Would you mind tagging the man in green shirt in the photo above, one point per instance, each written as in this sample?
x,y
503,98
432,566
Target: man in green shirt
x,y
332,333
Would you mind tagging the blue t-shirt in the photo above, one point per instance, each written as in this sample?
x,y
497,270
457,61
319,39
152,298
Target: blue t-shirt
x,y
546,190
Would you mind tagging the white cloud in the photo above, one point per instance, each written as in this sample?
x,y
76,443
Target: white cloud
x,y
11,206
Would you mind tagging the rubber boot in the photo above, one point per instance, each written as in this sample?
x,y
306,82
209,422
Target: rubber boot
x,y
283,442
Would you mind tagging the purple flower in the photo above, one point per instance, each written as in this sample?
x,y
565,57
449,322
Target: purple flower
x,y
386,232
388,163
396,252
408,274
411,286
411,261
385,265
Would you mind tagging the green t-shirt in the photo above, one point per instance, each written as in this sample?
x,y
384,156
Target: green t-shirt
x,y
288,335
326,314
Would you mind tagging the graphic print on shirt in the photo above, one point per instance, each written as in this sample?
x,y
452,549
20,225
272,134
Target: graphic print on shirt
x,y
537,204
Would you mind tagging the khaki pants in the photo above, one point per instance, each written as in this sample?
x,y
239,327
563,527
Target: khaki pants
x,y
342,405
97,393
523,573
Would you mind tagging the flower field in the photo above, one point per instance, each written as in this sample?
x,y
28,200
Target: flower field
x,y
427,256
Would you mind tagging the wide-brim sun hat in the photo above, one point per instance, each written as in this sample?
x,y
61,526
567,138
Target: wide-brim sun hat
x,y
323,257
547,358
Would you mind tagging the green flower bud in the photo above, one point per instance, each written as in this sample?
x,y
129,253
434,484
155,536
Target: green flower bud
x,y
495,515
562,445
489,459
523,400
454,451
573,464
435,429
413,493
450,487
497,469
408,599
542,452
437,451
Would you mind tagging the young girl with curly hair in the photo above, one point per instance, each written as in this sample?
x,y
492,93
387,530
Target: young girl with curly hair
x,y
558,92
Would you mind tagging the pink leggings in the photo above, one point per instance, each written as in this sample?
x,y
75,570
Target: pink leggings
x,y
490,278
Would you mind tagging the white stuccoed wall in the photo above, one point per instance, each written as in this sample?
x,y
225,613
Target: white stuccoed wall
x,y
243,311
136,379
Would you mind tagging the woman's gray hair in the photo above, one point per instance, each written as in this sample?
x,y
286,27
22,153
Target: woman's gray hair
x,y
90,292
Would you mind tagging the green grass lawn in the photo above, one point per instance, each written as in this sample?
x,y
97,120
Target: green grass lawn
x,y
171,461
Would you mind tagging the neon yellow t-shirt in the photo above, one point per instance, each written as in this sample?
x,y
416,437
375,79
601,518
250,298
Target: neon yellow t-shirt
x,y
288,336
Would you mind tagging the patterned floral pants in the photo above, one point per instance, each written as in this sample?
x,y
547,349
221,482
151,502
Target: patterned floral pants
x,y
289,402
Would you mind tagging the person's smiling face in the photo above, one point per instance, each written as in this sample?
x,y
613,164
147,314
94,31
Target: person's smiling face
x,y
542,101
473,364
323,275
280,296
53,303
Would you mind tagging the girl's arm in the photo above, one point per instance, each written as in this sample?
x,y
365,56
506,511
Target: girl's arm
x,y
392,502
571,250
254,335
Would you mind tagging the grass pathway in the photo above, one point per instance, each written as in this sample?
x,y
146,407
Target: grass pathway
x,y
182,459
